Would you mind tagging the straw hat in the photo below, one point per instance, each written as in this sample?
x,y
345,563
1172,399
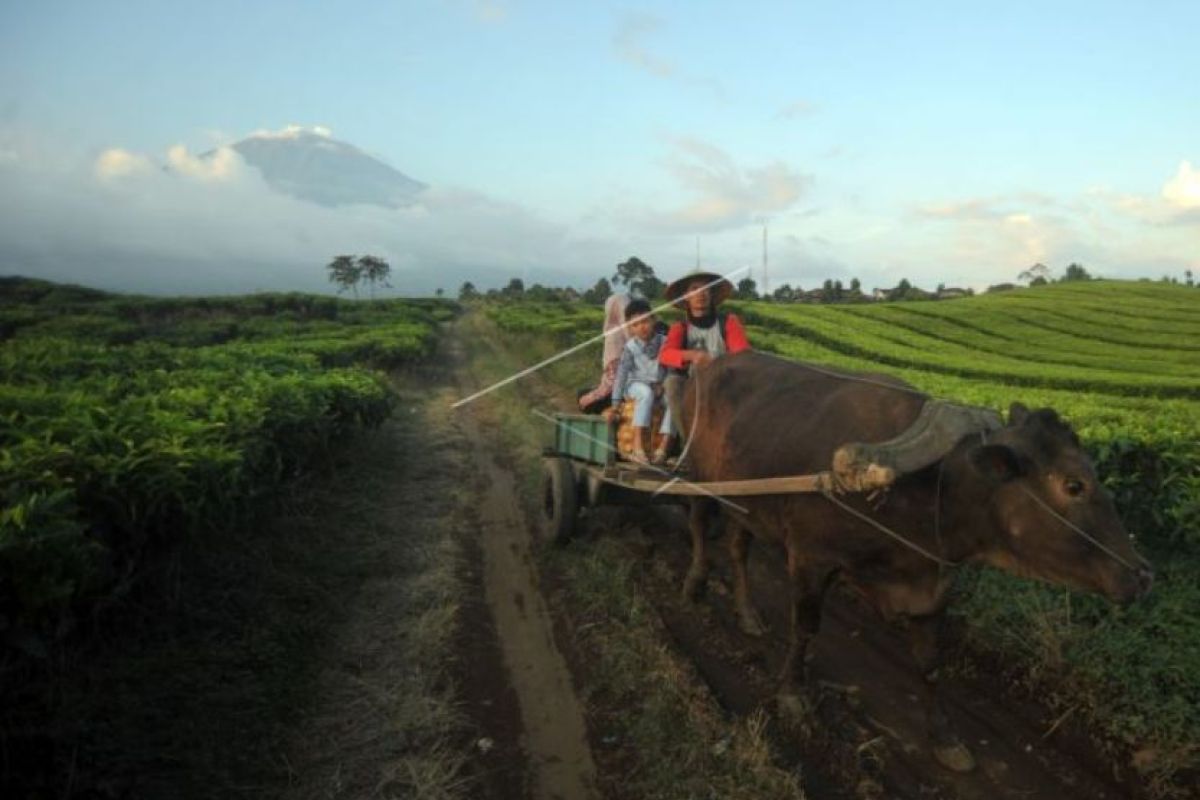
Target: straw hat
x,y
719,288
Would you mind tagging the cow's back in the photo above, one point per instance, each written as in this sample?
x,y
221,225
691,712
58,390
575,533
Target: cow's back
x,y
756,415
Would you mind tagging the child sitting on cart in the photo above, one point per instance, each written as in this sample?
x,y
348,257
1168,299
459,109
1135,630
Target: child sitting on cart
x,y
640,377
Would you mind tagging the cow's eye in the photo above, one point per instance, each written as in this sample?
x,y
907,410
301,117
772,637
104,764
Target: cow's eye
x,y
1074,487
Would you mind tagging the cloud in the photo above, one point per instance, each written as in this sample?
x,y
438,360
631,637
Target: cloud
x,y
1176,204
798,108
119,163
490,11
969,209
627,42
1112,234
211,224
224,164
1183,190
1012,207
722,193
292,132
484,12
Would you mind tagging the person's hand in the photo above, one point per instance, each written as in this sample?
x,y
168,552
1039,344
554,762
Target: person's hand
x,y
609,413
582,405
702,358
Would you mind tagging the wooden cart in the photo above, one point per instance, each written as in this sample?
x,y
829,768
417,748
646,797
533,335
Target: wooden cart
x,y
582,469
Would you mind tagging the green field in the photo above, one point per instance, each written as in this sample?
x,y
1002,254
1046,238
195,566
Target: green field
x,y
127,423
1121,362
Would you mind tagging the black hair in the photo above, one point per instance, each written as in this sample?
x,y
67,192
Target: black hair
x,y
637,308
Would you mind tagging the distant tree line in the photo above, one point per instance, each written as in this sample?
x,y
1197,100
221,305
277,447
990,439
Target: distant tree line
x,y
636,277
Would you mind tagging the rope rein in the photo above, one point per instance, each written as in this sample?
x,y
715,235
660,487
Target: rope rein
x,y
1078,530
885,529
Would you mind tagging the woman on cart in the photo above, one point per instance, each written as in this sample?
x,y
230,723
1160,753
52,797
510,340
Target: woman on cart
x,y
702,335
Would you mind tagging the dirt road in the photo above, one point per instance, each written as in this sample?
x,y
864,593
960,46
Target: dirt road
x,y
555,735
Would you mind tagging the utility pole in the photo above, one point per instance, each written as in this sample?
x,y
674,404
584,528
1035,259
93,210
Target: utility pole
x,y
766,290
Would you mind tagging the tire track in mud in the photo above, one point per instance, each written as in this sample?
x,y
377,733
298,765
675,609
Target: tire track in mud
x,y
555,734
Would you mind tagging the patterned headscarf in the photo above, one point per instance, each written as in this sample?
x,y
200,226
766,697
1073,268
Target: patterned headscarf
x,y
614,317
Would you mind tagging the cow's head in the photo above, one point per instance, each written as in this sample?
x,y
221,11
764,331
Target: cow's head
x,y
1046,501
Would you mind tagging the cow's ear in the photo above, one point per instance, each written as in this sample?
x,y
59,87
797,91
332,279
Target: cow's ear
x,y
997,461
1017,413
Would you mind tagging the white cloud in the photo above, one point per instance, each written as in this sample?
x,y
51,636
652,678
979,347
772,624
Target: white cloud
x,y
798,108
119,163
722,193
211,224
1176,204
292,132
627,41
974,208
223,165
490,11
1183,190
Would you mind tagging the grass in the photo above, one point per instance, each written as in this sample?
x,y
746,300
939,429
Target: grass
x,y
309,655
648,700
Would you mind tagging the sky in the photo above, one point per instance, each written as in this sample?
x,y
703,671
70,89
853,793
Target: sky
x,y
942,142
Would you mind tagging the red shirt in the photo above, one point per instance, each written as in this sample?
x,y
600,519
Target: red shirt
x,y
671,354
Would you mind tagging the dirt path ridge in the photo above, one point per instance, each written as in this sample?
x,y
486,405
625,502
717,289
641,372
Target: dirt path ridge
x,y
552,716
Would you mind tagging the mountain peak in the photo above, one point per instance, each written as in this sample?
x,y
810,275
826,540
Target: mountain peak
x,y
308,163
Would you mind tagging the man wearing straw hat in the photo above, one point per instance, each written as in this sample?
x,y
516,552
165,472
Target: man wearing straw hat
x,y
702,335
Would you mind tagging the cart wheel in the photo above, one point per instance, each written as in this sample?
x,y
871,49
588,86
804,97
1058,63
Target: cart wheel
x,y
559,502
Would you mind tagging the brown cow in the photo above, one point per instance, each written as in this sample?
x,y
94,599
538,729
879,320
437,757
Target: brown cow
x,y
1004,502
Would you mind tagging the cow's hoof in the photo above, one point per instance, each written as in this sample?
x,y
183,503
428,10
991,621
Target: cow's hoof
x,y
751,623
955,757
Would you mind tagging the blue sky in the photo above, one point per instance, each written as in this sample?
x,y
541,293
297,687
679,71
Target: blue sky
x,y
954,142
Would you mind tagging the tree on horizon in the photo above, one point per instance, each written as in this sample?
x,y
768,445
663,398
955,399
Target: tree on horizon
x,y
375,271
1076,272
515,288
638,278
1038,271
346,272
598,293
